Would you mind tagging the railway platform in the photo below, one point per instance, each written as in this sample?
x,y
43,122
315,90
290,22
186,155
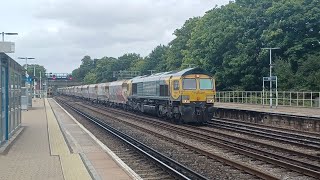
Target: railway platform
x,y
53,145
300,118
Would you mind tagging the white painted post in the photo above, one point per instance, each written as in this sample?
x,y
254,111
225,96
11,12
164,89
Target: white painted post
x,y
290,98
276,91
311,99
233,96
263,94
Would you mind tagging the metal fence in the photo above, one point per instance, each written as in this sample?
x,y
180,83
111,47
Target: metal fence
x,y
281,98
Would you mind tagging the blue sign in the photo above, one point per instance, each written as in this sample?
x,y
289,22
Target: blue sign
x,y
28,79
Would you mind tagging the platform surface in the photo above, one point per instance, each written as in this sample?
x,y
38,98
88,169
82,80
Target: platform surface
x,y
29,156
53,146
297,111
100,163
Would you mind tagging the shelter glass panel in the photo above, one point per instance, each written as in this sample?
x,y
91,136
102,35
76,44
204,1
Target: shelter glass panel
x,y
3,104
1,120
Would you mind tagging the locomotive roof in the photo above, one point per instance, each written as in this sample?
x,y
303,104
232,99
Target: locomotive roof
x,y
188,71
163,75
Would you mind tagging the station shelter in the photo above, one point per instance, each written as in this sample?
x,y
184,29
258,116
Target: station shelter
x,y
10,97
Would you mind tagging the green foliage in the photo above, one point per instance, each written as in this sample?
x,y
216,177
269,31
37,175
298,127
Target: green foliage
x,y
178,46
227,41
38,68
156,60
86,66
90,78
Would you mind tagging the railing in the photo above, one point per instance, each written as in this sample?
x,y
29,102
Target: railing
x,y
282,98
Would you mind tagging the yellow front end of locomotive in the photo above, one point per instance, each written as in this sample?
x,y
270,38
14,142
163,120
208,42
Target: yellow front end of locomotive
x,y
197,88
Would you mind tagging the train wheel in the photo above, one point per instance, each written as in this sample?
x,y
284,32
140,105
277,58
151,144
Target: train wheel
x,y
159,114
177,118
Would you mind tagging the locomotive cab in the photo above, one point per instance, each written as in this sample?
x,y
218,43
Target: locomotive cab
x,y
197,98
193,95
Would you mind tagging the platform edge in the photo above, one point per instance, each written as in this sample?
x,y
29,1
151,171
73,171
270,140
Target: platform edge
x,y
123,165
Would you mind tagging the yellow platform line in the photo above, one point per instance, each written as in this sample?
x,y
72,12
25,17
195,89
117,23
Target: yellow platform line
x,y
72,164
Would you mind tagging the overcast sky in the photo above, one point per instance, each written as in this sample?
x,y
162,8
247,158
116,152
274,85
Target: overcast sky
x,y
58,33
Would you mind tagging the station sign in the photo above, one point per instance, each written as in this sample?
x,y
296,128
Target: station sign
x,y
7,47
28,79
272,78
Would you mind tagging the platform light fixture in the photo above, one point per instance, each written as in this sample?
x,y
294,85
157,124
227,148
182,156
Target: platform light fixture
x,y
26,58
3,33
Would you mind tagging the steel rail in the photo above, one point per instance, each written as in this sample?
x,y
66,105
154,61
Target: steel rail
x,y
293,131
261,134
306,138
310,156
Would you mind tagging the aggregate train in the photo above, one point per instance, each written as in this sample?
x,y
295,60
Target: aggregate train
x,y
182,96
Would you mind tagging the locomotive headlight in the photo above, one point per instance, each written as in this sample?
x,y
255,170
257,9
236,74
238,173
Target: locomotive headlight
x,y
185,99
210,99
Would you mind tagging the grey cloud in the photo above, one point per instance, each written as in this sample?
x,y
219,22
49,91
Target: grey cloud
x,y
67,29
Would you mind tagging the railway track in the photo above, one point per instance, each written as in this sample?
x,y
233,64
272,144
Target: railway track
x,y
174,169
310,169
308,141
256,153
272,127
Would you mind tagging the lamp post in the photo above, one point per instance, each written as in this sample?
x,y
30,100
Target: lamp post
x,y
26,58
34,72
3,33
34,81
270,49
40,86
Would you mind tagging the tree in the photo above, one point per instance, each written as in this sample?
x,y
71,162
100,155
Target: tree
x,y
104,69
90,78
126,61
86,66
38,68
179,44
156,60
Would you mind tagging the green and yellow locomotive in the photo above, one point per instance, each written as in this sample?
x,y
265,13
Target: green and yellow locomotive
x,y
183,96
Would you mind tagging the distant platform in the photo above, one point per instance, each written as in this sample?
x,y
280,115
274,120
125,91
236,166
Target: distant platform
x,y
297,111
294,117
53,145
